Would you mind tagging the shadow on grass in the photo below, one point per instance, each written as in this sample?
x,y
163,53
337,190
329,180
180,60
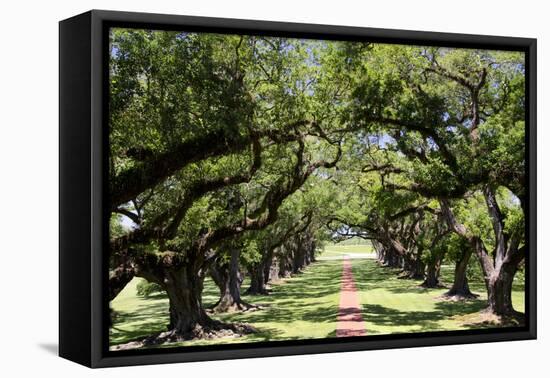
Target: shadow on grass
x,y
370,276
421,320
148,318
311,297
291,300
300,298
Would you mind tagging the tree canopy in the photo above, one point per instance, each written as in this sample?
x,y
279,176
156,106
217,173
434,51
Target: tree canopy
x,y
261,145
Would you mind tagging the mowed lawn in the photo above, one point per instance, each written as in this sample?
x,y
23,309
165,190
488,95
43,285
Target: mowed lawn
x,y
339,251
394,305
306,306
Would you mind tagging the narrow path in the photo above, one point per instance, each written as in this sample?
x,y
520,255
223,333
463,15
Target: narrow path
x,y
350,321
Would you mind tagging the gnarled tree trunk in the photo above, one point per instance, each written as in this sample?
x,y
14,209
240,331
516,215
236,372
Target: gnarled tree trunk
x,y
433,269
380,252
119,278
499,290
229,278
182,277
272,271
258,274
413,267
498,271
388,256
184,288
460,287
436,256
312,250
257,281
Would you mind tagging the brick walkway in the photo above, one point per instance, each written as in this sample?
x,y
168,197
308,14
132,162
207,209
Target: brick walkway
x,y
350,321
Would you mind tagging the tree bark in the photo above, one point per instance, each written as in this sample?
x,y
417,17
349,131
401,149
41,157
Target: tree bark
x,y
229,279
413,267
119,278
380,252
298,258
395,252
391,258
499,272
432,275
257,282
499,291
460,287
285,261
258,278
433,270
183,282
312,250
184,289
272,271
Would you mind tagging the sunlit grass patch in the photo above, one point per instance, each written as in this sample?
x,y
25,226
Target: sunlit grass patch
x,y
393,305
304,306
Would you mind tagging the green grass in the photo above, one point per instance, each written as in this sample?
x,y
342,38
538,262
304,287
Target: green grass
x,y
137,316
306,306
338,251
393,305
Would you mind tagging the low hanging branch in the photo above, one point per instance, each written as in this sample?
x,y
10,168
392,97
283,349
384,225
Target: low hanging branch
x,y
267,212
156,231
475,241
121,247
147,173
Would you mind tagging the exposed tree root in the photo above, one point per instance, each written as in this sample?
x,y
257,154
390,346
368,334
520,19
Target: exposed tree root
x,y
213,330
459,295
234,307
488,319
456,296
513,319
427,285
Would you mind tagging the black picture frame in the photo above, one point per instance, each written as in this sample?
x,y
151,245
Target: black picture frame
x,y
83,228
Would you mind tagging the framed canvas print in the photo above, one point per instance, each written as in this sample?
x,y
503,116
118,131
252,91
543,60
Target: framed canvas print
x,y
233,188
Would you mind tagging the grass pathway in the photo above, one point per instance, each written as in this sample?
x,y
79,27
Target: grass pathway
x,y
350,320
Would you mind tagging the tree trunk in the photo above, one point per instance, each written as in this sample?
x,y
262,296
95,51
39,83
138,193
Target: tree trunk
x,y
413,267
119,278
257,282
395,253
298,257
229,279
258,279
499,291
392,259
285,261
272,272
312,250
183,282
307,244
184,289
432,274
460,287
498,271
380,252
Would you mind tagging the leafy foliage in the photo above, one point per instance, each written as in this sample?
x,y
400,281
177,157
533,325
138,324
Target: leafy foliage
x,y
146,289
223,141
